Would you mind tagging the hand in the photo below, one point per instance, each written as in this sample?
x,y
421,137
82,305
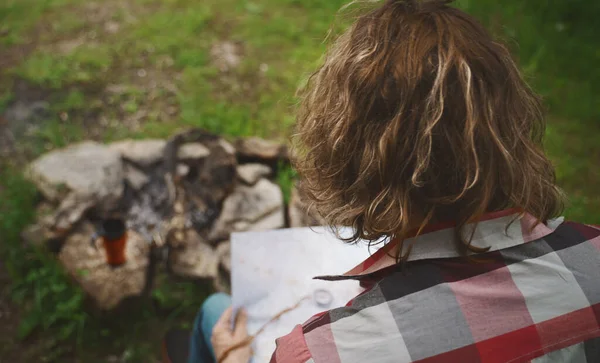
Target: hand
x,y
224,338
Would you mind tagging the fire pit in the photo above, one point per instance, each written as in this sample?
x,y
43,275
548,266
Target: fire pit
x,y
108,211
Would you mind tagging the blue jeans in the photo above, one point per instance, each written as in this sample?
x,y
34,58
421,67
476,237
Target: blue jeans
x,y
201,350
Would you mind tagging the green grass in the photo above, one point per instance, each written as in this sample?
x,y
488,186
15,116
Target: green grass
x,y
38,281
5,98
56,133
55,312
557,45
83,65
286,178
63,48
18,17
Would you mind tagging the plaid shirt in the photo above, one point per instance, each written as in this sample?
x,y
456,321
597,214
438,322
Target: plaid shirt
x,y
533,297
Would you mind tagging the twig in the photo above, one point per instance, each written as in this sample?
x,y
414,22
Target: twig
x,y
251,338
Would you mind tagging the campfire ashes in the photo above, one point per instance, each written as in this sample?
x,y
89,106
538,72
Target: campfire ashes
x,y
180,199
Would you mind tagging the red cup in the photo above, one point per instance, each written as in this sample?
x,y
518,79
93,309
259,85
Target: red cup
x,y
114,240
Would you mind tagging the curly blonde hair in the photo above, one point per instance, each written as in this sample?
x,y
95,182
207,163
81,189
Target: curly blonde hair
x,y
417,114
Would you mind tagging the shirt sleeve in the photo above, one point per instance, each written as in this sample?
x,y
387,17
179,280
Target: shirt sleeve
x,y
292,348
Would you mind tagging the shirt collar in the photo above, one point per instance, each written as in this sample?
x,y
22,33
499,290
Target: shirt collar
x,y
497,230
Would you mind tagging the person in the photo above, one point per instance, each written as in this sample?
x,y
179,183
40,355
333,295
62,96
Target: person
x,y
419,129
213,333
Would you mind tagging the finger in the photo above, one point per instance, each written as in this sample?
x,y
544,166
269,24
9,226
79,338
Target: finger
x,y
241,324
224,322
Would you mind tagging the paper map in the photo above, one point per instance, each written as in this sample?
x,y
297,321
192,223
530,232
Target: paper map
x,y
273,270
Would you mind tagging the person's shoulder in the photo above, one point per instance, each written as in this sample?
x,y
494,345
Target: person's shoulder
x,y
571,233
363,317
292,348
586,226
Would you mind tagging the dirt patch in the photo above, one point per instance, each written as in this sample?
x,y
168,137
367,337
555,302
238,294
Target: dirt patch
x,y
99,21
226,55
26,113
139,95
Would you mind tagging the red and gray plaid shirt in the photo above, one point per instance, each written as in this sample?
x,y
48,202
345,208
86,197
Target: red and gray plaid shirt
x,y
533,297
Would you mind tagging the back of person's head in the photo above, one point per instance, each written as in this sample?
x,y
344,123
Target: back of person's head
x,y
416,116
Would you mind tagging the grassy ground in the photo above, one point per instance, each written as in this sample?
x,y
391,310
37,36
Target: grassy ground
x,y
136,68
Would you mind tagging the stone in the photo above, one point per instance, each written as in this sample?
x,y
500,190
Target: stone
x,y
182,170
142,152
69,213
251,173
112,27
224,255
41,231
226,55
37,234
255,148
207,182
45,208
217,175
298,214
135,177
222,283
88,170
258,207
147,210
192,151
195,259
176,227
270,221
227,146
105,285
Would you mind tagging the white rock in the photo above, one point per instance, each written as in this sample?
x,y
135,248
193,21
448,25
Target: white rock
x,y
224,255
88,170
182,170
112,27
258,207
299,215
70,211
142,152
195,259
227,146
41,231
226,55
135,177
271,221
106,286
257,148
192,151
251,173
